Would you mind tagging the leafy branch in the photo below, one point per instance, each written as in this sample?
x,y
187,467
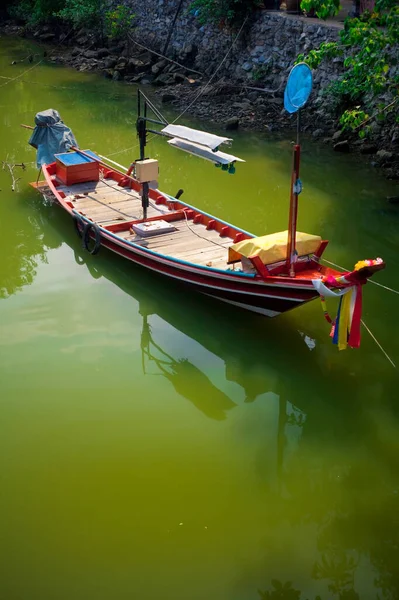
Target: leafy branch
x,y
368,45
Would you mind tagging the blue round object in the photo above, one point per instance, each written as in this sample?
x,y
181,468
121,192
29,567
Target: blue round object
x,y
298,88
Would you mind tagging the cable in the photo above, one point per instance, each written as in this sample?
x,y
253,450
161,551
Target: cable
x,y
201,236
378,344
38,63
202,90
162,56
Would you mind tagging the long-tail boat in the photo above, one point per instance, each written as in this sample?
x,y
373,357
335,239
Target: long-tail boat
x,y
126,213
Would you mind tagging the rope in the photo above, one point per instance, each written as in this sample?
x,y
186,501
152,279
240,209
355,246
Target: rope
x,y
378,344
122,151
117,189
108,206
162,56
202,236
37,64
368,281
202,90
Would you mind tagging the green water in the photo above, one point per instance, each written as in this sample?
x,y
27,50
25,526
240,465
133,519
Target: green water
x,y
155,444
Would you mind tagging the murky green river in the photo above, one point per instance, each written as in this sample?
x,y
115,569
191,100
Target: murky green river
x,y
157,445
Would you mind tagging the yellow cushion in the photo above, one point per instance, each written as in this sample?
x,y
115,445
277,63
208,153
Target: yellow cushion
x,y
273,248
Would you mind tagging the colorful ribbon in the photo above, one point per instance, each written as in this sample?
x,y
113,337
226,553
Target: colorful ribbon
x,y
346,327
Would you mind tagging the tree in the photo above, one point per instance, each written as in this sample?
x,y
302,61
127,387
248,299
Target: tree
x,y
369,45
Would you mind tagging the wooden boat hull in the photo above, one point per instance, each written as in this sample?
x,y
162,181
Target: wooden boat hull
x,y
268,300
269,296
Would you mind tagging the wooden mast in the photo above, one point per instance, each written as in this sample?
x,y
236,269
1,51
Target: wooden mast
x,y
293,215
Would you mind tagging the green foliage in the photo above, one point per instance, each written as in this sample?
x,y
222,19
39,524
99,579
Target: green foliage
x,y
119,22
34,12
280,591
326,50
260,72
367,43
81,12
323,8
223,12
353,119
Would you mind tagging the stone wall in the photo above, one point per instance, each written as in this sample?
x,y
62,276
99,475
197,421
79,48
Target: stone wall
x,y
263,53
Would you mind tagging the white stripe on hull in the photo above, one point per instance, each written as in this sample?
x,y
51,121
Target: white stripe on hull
x,y
256,309
213,286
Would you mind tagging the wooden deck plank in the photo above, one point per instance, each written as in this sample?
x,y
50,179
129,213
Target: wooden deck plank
x,y
81,188
211,249
111,198
194,245
98,208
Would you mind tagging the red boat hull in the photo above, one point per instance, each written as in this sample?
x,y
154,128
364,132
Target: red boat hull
x,y
269,296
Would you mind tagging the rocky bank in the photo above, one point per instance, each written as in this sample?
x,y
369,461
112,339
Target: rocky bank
x,y
236,84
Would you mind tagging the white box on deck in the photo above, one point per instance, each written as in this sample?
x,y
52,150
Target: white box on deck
x,y
148,228
147,170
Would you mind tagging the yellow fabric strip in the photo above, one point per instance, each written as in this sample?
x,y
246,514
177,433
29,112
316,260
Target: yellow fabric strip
x,y
344,317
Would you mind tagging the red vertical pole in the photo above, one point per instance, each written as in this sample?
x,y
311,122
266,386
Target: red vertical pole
x,y
292,223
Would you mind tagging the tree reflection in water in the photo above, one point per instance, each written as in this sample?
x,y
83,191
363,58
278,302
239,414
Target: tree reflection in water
x,y
25,244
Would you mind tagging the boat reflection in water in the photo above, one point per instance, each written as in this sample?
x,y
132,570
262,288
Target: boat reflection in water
x,y
185,377
253,350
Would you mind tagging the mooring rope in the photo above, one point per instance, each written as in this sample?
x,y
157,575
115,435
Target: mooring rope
x,y
202,90
163,56
38,63
378,344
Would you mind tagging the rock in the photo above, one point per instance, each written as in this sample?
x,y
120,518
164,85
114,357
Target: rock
x,y
318,133
368,149
147,58
90,54
179,77
247,66
342,146
116,75
245,105
103,52
232,124
83,40
164,79
158,67
253,96
147,80
395,138
137,78
76,52
337,135
116,49
393,199
384,156
47,37
165,98
110,62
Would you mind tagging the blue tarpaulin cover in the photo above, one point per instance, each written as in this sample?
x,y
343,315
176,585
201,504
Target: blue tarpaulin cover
x,y
51,136
298,88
